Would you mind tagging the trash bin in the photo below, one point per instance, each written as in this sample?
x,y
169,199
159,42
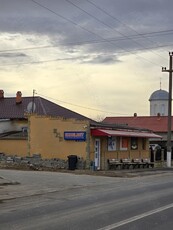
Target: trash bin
x,y
92,165
72,161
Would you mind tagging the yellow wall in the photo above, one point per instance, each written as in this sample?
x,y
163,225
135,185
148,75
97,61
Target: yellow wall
x,y
14,147
46,137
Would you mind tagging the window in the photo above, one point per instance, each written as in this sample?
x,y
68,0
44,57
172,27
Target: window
x,y
155,109
123,143
111,143
163,110
134,143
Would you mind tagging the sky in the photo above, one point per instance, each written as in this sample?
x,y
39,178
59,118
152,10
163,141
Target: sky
x,y
98,58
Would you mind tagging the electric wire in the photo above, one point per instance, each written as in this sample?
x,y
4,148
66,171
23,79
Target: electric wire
x,y
91,32
115,18
155,33
97,19
88,42
80,106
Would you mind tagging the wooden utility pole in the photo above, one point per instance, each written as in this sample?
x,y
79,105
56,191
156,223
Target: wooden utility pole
x,y
170,70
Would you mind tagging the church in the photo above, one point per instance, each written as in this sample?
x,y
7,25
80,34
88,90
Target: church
x,y
157,121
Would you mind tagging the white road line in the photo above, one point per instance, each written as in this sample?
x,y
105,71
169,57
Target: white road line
x,y
134,218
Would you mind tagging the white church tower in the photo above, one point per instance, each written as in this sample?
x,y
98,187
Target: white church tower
x,y
159,103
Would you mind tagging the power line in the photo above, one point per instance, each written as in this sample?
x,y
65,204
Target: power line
x,y
155,33
88,42
129,38
91,32
69,59
38,62
80,106
115,18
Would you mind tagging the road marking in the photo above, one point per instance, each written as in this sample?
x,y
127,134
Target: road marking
x,y
134,218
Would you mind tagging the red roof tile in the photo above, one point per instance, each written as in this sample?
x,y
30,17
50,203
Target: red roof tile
x,y
154,123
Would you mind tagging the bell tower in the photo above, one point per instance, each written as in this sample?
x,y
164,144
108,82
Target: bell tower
x,y
159,103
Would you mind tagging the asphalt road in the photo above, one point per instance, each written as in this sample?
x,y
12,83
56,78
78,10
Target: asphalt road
x,y
64,201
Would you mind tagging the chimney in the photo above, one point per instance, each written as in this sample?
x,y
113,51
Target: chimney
x,y
18,97
1,93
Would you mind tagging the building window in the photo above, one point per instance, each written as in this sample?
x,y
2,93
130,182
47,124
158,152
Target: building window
x,y
111,143
134,143
163,110
155,109
123,143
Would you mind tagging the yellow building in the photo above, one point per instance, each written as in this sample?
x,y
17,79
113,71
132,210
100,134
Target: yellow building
x,y
37,126
56,137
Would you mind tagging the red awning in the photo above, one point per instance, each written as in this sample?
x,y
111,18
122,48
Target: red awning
x,y
122,133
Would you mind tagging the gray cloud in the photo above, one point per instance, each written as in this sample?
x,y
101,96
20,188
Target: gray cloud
x,y
100,59
67,26
12,55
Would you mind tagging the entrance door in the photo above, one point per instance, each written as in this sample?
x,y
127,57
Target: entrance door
x,y
97,153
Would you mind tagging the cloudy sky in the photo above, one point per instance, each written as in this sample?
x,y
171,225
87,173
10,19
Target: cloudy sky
x,y
97,57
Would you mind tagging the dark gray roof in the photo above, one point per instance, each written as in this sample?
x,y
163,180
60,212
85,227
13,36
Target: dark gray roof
x,y
159,95
10,110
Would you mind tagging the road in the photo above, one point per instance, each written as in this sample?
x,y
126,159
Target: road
x,y
65,201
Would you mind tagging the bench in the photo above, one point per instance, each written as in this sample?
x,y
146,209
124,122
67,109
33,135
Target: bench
x,y
114,163
129,164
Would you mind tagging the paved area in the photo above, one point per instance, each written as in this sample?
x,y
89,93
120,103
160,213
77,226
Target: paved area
x,y
15,183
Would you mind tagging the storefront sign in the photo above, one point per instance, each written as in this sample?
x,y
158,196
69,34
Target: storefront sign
x,y
75,136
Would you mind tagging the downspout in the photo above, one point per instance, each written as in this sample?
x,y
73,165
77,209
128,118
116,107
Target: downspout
x,y
29,146
88,146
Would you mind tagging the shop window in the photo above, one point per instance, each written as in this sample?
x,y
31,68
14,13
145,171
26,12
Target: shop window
x,y
123,143
111,143
134,143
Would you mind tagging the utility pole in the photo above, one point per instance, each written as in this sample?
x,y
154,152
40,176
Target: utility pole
x,y
170,70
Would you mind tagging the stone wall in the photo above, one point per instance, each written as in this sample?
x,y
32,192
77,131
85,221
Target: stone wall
x,y
37,163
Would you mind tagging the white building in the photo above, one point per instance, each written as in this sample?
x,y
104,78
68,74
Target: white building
x,y
159,103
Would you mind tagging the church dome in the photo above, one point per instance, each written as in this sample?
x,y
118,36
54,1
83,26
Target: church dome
x,y
159,95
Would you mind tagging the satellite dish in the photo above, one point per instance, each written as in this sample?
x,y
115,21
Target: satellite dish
x,y
31,107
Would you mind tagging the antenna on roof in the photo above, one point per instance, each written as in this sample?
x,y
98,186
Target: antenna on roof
x,y
31,107
160,83
33,100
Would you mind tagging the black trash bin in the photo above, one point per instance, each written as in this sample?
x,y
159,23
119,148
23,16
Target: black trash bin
x,y
72,162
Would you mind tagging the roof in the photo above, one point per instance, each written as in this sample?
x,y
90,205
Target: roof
x,y
154,123
107,132
10,110
159,95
